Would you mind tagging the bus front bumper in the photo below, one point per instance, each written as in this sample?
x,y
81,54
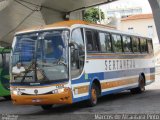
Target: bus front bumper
x,y
58,98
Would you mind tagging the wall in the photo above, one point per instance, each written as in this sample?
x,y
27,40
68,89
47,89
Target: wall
x,y
140,26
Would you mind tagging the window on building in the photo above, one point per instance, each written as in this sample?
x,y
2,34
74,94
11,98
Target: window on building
x,y
135,44
130,29
105,41
117,43
127,44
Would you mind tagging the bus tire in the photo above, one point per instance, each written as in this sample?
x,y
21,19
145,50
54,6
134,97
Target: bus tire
x,y
93,95
46,107
141,86
7,97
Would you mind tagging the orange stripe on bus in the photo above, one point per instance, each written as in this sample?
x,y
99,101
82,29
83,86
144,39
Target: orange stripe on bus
x,y
82,89
150,77
118,83
105,85
145,56
116,58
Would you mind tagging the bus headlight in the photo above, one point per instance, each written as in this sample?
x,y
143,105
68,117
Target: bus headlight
x,y
61,90
58,91
15,92
55,91
19,93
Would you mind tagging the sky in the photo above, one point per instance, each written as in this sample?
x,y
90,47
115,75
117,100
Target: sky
x,y
128,3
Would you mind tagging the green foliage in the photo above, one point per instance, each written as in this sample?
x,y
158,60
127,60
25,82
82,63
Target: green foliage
x,y
92,15
3,50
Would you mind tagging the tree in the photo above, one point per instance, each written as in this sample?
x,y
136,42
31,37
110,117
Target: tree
x,y
92,15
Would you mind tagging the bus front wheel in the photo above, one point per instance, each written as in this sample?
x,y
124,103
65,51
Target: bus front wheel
x,y
46,107
93,95
141,86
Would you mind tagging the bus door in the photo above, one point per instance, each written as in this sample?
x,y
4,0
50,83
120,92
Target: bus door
x,y
77,53
5,70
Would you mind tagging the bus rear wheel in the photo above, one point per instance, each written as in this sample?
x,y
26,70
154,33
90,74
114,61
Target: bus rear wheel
x,y
46,107
94,95
141,86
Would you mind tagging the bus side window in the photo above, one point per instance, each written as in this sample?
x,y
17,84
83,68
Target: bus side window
x,y
92,41
105,41
77,55
127,44
150,46
143,45
117,43
135,44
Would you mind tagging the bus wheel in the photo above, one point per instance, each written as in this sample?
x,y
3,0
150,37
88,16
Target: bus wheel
x,y
94,95
46,107
7,97
141,87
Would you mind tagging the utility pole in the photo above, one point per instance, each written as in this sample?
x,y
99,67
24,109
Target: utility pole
x,y
100,16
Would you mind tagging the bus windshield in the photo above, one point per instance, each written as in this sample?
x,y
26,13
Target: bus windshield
x,y
40,57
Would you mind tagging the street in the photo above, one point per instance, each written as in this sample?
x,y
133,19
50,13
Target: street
x,y
125,102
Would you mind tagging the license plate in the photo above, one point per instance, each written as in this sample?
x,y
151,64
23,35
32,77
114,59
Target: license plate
x,y
36,100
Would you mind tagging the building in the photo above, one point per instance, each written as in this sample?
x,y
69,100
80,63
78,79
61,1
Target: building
x,y
142,24
120,9
124,12
114,14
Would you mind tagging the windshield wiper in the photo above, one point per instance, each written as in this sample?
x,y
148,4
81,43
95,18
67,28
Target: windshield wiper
x,y
28,70
34,67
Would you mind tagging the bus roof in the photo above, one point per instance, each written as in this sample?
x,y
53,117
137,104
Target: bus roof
x,y
70,23
65,24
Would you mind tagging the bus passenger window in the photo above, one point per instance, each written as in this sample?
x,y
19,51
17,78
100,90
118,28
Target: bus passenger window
x,y
127,44
135,44
92,41
117,43
77,54
143,45
105,41
150,46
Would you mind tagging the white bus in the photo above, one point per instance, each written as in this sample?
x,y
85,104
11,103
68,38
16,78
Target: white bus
x,y
72,61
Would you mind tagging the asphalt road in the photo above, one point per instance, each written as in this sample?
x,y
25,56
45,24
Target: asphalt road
x,y
125,102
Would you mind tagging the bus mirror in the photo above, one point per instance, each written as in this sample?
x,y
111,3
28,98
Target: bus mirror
x,y
74,45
